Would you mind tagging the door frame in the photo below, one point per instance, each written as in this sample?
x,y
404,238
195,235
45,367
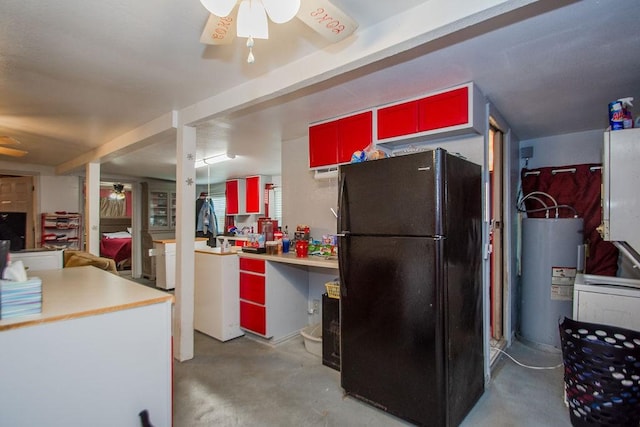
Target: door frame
x,y
510,168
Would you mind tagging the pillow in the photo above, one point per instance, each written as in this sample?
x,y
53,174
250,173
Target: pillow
x,y
117,235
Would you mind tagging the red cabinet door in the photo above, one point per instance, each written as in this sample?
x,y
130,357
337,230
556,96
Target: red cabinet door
x,y
232,197
252,288
254,192
354,133
253,317
444,110
398,120
250,264
323,144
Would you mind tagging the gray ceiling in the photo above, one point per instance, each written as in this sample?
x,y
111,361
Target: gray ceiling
x,y
75,75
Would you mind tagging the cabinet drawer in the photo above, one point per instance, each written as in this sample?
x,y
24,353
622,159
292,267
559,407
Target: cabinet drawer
x,y
252,287
254,265
253,317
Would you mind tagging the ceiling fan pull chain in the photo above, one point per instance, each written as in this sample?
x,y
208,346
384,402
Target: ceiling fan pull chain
x,y
250,59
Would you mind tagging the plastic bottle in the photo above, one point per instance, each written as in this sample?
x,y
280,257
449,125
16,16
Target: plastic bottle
x,y
285,241
627,117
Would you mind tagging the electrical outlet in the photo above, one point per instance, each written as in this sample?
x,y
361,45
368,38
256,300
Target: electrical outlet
x,y
316,305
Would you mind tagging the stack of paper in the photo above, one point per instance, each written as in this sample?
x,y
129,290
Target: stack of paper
x,y
20,298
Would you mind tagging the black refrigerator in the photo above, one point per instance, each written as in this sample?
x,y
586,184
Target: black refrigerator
x,y
410,256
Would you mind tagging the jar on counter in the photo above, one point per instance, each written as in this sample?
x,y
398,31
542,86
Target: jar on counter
x,y
272,247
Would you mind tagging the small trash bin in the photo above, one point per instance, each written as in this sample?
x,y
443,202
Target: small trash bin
x,y
601,373
312,336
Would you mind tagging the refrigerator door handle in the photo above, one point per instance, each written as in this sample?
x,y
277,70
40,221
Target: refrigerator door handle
x,y
342,264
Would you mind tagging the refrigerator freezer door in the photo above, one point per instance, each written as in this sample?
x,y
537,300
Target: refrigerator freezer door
x,y
391,339
394,196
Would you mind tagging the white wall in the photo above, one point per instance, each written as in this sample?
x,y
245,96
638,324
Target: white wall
x,y
60,193
304,199
568,149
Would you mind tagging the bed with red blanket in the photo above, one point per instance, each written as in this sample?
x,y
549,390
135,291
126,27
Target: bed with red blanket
x,y
115,240
116,248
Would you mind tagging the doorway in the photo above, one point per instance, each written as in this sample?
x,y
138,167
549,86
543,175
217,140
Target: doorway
x,y
498,284
16,196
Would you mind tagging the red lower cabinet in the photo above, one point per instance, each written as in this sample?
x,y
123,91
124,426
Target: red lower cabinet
x,y
273,298
253,311
253,317
252,288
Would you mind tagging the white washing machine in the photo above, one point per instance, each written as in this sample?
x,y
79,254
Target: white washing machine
x,y
607,300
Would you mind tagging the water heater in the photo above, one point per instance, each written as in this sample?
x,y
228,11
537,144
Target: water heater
x,y
549,264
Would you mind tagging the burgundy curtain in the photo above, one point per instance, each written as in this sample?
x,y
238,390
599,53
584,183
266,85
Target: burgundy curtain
x,y
581,190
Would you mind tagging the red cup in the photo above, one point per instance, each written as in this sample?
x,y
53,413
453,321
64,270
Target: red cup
x,y
302,248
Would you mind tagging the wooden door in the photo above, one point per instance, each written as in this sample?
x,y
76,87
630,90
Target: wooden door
x,y
497,279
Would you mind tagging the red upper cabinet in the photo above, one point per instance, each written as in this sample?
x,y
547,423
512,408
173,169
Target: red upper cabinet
x,y
444,110
397,120
354,133
235,196
323,144
446,113
254,196
334,142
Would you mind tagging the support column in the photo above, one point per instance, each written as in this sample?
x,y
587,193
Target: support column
x,y
185,238
92,208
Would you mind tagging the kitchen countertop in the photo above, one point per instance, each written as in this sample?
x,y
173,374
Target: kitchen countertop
x,y
69,293
164,241
291,258
214,251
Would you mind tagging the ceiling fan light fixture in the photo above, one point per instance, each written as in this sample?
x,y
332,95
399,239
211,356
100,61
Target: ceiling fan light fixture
x,y
212,160
281,11
117,193
219,7
252,20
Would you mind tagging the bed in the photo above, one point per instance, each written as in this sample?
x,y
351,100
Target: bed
x,y
115,240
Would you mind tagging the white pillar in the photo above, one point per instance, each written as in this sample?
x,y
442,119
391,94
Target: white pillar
x,y
185,238
92,208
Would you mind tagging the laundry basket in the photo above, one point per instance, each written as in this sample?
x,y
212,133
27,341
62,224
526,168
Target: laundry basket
x,y
601,373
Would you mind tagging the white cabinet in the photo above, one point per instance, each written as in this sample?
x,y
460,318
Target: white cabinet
x,y
216,308
620,183
39,259
98,354
165,253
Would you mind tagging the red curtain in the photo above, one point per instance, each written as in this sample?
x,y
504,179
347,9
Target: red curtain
x,y
581,190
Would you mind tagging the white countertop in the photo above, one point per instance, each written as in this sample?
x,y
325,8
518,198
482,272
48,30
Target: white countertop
x,y
214,251
70,293
291,258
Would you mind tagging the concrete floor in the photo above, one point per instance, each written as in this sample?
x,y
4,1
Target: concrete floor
x,y
248,383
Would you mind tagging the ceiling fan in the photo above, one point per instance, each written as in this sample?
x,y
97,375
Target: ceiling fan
x,y
7,151
251,22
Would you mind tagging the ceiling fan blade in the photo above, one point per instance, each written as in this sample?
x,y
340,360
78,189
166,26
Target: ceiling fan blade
x,y
7,140
12,152
219,30
326,19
